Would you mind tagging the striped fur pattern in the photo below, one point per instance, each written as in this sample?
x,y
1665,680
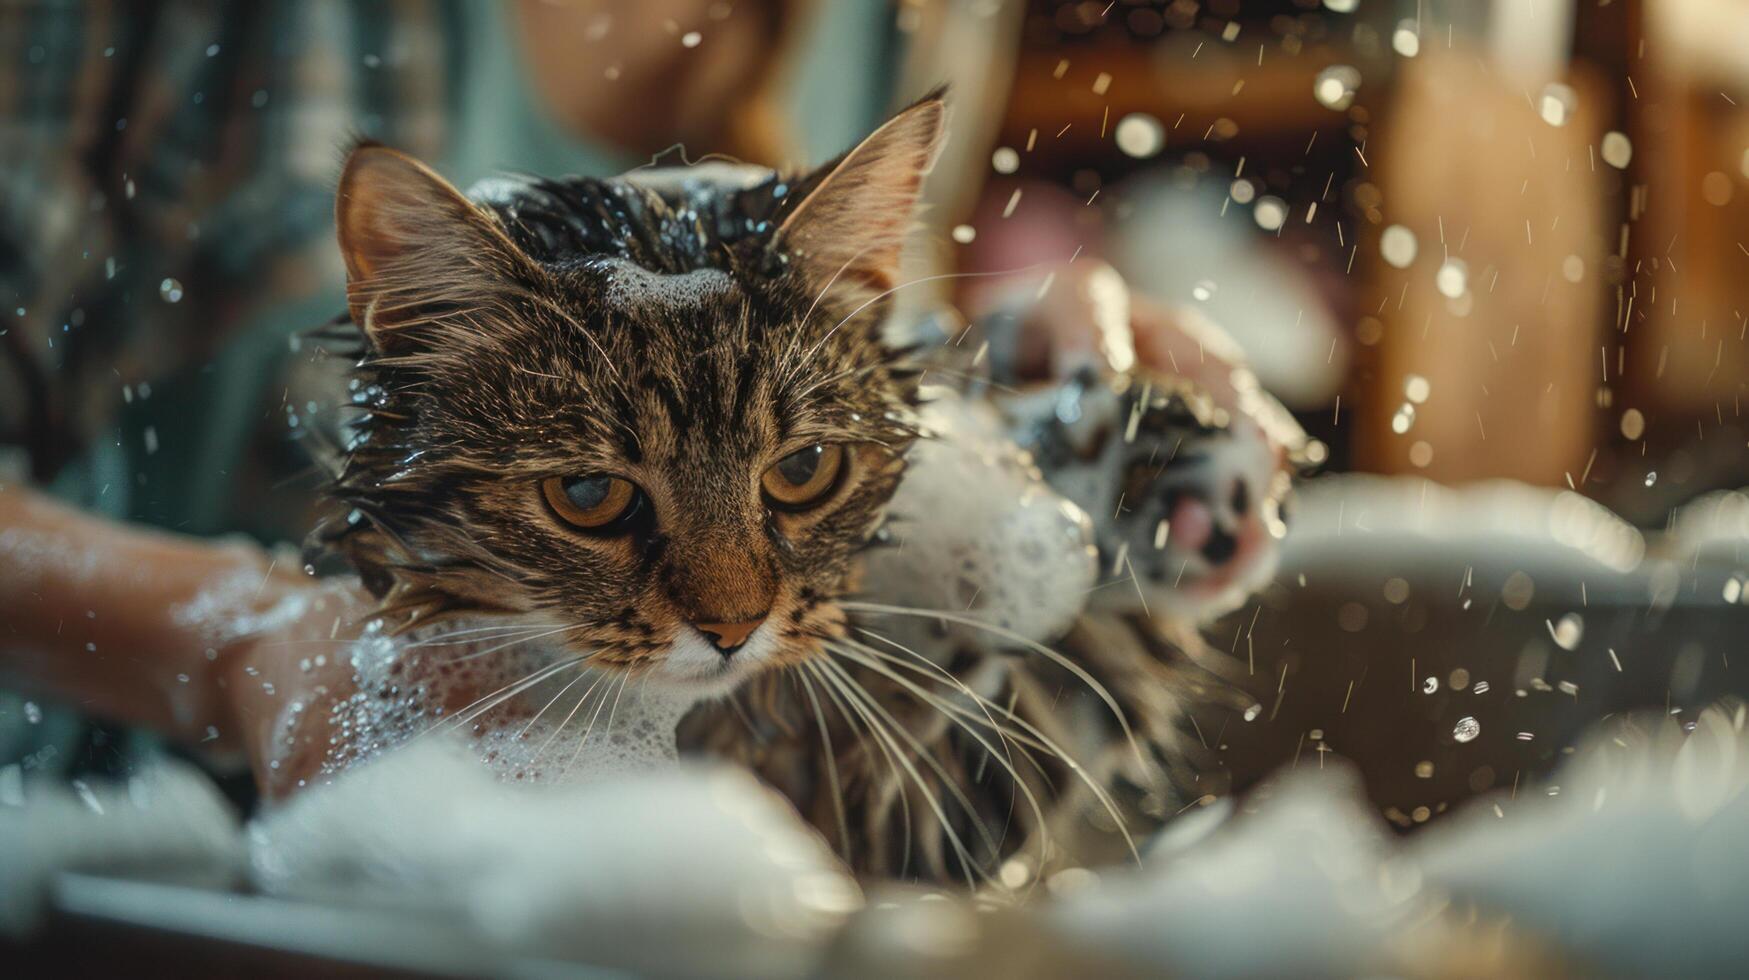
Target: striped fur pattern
x,y
685,331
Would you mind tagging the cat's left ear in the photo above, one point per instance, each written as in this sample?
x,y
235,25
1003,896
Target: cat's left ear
x,y
851,226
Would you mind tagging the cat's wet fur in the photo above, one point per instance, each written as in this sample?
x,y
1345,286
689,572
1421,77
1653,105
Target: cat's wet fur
x,y
684,334
685,330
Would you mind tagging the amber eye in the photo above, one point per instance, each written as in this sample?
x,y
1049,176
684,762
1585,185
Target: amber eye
x,y
803,478
591,502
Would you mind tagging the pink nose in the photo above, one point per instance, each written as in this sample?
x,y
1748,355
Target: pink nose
x,y
1192,524
730,636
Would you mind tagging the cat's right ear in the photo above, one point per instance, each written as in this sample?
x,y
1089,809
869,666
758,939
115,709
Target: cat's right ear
x,y
851,224
413,245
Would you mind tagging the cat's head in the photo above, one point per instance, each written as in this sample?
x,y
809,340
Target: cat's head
x,y
658,413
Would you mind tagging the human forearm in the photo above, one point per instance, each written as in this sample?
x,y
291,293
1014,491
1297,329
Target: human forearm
x,y
119,619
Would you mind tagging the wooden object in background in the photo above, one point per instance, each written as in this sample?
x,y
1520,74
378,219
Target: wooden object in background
x,y
1513,362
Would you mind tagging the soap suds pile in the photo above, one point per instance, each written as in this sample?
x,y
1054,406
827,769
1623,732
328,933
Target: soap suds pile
x,y
618,870
1638,863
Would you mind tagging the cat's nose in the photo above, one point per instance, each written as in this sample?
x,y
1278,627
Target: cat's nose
x,y
729,636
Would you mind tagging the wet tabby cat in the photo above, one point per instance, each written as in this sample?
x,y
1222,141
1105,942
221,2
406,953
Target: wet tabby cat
x,y
659,410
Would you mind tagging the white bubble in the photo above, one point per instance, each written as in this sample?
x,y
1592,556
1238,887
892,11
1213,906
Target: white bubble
x,y
1558,104
1466,729
1633,423
1204,290
1573,268
1452,279
1416,389
1270,213
170,291
1406,41
1403,419
1140,135
1568,631
1252,712
1398,246
1430,685
1733,589
1335,86
1005,160
1617,149
964,234
691,39
1651,477
1342,6
1242,191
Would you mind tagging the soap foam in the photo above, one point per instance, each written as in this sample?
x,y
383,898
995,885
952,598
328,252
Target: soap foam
x,y
528,711
977,533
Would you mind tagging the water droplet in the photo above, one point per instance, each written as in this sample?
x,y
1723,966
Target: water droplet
x,y
1335,86
170,291
1467,728
1270,213
1517,591
1558,104
1617,149
1405,41
1416,388
1568,631
87,797
1398,246
1140,135
1452,279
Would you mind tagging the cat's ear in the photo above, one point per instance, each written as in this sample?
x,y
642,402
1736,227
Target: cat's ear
x,y
413,245
851,225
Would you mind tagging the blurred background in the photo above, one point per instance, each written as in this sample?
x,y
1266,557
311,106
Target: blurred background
x,y
1491,254
1462,240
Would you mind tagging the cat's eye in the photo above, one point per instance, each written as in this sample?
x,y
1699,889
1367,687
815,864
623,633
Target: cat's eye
x,y
594,503
803,478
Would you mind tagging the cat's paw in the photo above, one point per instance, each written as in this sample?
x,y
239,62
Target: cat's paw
x,y
1188,495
